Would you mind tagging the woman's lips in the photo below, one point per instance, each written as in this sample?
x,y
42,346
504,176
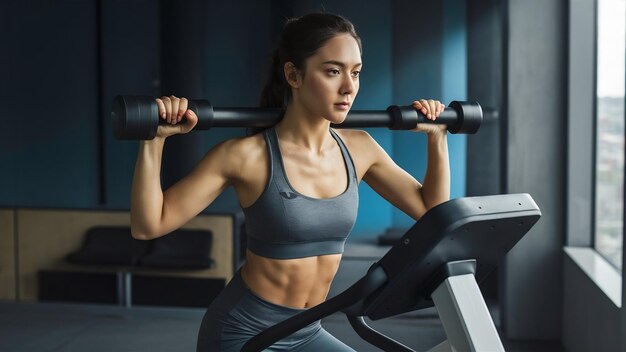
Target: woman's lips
x,y
343,106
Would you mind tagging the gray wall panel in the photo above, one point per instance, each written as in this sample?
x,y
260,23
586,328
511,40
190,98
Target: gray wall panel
x,y
484,83
535,154
591,322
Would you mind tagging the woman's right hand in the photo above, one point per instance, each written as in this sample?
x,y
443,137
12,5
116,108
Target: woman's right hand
x,y
172,110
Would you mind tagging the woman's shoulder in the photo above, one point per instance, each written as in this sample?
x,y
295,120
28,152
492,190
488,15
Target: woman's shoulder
x,y
242,148
354,138
235,150
234,154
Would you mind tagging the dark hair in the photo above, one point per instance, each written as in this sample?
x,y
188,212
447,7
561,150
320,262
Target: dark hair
x,y
300,39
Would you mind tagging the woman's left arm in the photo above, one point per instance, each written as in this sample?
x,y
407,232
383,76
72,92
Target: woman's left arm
x,y
436,187
398,186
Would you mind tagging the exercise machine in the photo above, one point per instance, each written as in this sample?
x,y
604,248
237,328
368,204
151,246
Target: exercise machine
x,y
137,117
438,262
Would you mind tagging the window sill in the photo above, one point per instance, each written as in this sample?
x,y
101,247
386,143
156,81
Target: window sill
x,y
603,274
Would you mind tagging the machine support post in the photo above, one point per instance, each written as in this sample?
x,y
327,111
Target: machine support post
x,y
464,315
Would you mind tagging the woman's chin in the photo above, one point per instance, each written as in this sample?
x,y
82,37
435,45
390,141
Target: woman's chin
x,y
336,118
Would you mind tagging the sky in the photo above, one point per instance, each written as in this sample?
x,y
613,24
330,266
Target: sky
x,y
611,47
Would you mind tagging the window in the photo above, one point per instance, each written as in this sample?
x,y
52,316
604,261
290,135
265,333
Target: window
x,y
609,151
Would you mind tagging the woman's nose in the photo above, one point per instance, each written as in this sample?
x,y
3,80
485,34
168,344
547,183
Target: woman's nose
x,y
348,86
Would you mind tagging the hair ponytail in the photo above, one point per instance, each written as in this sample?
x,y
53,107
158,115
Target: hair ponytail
x,y
273,93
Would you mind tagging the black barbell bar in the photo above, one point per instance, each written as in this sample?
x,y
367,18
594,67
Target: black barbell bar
x,y
137,117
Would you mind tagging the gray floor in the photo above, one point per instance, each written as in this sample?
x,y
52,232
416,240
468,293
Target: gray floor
x,y
43,327
78,327
93,328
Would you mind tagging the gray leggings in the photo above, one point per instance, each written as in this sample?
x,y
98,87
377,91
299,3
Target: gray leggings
x,y
237,315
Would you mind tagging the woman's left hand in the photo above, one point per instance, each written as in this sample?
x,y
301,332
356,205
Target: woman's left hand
x,y
431,109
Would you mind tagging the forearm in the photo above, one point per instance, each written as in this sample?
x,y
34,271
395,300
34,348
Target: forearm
x,y
146,204
436,186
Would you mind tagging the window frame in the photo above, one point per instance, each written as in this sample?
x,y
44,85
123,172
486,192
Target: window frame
x,y
580,128
595,148
581,153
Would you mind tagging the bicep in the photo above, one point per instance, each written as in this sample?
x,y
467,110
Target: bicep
x,y
392,182
196,191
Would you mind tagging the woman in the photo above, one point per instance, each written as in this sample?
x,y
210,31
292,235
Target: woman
x,y
296,182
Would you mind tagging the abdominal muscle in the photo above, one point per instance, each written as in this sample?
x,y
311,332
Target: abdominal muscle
x,y
295,283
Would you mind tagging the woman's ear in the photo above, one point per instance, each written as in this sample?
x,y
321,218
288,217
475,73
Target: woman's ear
x,y
292,75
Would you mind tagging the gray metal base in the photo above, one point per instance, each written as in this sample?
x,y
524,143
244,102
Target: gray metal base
x,y
465,317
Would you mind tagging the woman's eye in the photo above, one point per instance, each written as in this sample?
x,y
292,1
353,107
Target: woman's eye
x,y
356,73
333,72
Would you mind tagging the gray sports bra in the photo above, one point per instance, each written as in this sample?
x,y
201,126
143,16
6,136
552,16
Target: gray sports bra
x,y
285,224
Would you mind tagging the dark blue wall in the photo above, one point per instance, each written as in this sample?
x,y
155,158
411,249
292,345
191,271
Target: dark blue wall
x,y
130,66
429,61
74,57
48,99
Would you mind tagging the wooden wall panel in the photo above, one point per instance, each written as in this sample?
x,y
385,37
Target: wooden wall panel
x,y
47,236
7,255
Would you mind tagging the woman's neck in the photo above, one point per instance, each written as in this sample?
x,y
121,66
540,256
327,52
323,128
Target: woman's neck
x,y
304,129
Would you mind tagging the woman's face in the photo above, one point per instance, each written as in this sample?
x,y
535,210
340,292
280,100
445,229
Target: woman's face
x,y
331,79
